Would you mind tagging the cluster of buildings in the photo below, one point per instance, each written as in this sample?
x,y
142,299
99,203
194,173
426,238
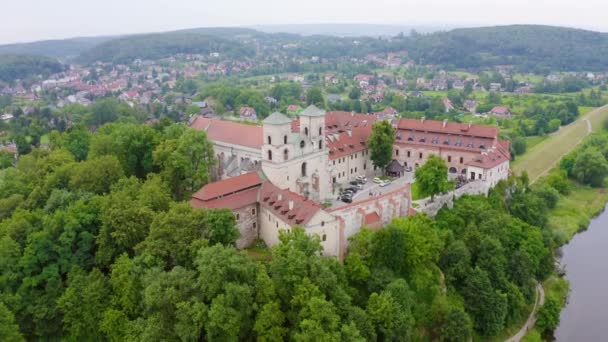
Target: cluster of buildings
x,y
287,172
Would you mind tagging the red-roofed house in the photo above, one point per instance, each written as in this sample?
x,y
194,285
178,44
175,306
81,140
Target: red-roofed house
x,y
248,113
501,112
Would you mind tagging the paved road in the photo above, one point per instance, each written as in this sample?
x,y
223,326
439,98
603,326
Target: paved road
x,y
540,300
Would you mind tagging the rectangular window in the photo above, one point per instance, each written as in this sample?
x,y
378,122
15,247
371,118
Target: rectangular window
x,y
461,160
397,152
237,217
253,211
449,159
255,225
355,170
420,155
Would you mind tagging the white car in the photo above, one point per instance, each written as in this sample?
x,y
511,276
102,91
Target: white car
x,y
362,178
378,180
385,183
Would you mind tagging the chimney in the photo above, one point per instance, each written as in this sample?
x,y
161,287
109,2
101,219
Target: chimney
x,y
279,197
470,125
445,122
290,205
422,120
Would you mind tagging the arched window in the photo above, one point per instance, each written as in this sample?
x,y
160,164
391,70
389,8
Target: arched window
x,y
302,144
285,154
320,144
269,140
269,155
285,140
306,131
303,169
320,130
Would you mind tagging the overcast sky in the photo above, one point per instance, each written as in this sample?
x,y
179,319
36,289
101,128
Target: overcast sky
x,y
29,20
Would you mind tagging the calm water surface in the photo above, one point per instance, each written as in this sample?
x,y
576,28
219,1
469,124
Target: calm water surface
x,y
585,258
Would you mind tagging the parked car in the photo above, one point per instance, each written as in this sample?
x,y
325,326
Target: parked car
x,y
353,189
385,183
362,179
377,180
408,169
347,199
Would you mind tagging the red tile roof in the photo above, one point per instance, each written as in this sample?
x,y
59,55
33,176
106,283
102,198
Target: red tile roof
x,y
230,132
232,201
372,218
228,186
489,160
277,200
455,128
347,133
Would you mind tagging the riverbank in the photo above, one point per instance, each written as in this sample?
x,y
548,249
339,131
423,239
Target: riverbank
x,y
572,214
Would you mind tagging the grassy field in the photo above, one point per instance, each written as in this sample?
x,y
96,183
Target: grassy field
x,y
544,155
574,211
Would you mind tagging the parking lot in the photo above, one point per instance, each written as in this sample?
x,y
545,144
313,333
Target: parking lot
x,y
371,189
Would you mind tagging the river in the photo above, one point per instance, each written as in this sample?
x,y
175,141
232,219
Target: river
x,y
585,257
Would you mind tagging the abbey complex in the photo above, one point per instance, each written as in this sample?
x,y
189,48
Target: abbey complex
x,y
289,172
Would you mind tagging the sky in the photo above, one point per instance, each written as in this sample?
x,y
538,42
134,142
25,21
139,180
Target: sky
x,y
31,20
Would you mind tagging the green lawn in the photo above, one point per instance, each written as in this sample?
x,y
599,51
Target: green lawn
x,y
535,140
416,192
544,155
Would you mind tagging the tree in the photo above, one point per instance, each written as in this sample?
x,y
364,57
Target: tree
x,y
456,327
83,304
548,315
381,143
77,141
487,306
185,162
269,323
314,96
9,330
132,144
432,177
590,167
95,175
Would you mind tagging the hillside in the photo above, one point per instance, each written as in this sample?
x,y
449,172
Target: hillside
x,y
155,46
528,46
14,66
64,48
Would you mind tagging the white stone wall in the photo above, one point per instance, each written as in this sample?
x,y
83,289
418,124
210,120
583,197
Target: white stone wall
x,y
387,206
248,225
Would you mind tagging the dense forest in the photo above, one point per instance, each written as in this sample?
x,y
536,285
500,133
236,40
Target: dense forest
x,y
156,46
13,67
530,47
